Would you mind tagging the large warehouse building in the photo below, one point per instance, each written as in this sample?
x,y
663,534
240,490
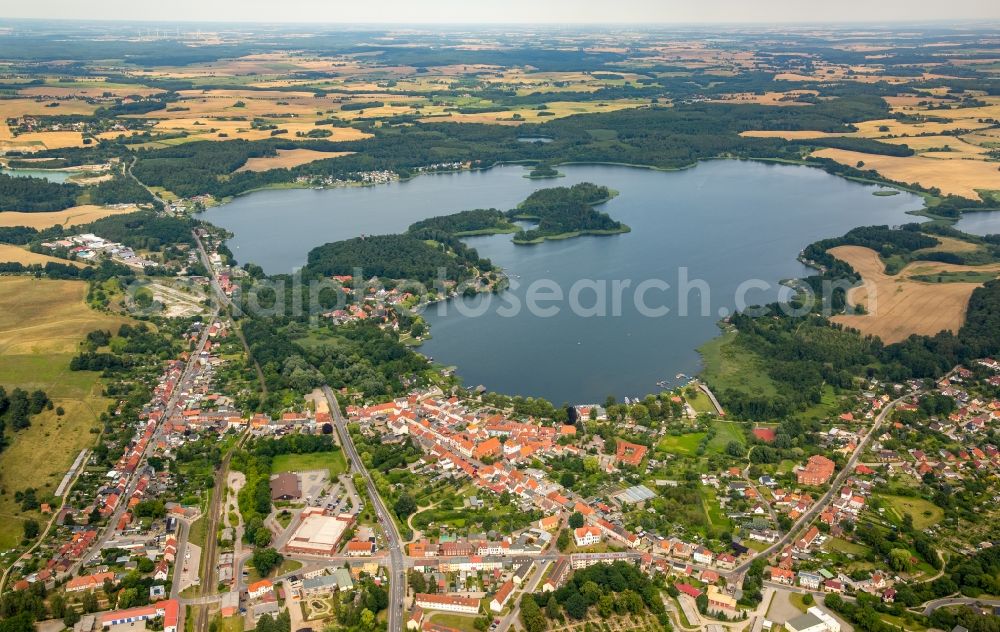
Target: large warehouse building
x,y
319,534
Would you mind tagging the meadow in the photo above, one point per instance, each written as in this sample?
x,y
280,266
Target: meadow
x,y
41,326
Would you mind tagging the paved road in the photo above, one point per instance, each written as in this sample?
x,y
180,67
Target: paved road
x,y
931,606
397,580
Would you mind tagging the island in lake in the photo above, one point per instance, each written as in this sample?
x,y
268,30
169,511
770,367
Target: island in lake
x,y
558,213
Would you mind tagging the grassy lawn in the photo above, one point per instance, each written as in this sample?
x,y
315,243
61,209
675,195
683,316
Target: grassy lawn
x,y
826,406
717,519
725,431
231,624
902,623
924,513
729,365
335,462
685,444
286,567
42,323
700,402
840,545
798,600
457,621
198,532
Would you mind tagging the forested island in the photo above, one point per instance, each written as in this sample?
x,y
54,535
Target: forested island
x,y
565,212
488,221
559,213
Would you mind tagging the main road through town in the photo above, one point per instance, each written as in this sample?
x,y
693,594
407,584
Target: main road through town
x,y
397,573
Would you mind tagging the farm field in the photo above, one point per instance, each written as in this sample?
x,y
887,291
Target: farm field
x,y
956,177
41,324
288,158
897,305
17,254
72,216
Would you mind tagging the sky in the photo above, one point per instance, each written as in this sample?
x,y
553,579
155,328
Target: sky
x,y
509,11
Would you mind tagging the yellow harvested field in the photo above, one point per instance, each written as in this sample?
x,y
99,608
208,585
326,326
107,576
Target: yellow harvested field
x,y
16,254
203,130
958,177
42,316
36,141
15,108
898,306
288,158
93,91
950,244
790,134
958,147
873,129
42,323
558,109
767,98
72,216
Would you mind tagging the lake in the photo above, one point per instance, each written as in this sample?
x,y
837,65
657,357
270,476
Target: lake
x,y
47,174
980,223
721,224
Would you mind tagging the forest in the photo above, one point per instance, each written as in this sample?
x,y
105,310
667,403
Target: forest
x,y
32,195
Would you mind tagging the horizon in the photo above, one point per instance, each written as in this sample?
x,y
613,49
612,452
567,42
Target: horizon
x,y
516,12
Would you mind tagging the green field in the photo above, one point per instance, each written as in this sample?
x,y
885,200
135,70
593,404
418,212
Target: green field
x,y
685,444
843,546
332,461
967,276
457,621
716,518
726,431
924,513
700,401
730,366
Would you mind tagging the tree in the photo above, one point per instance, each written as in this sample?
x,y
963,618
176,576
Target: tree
x,y
89,602
552,608
576,606
367,619
606,606
327,428
807,599
576,520
31,529
266,560
567,479
563,541
128,598
735,449
405,506
702,601
899,559
262,538
418,583
531,615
